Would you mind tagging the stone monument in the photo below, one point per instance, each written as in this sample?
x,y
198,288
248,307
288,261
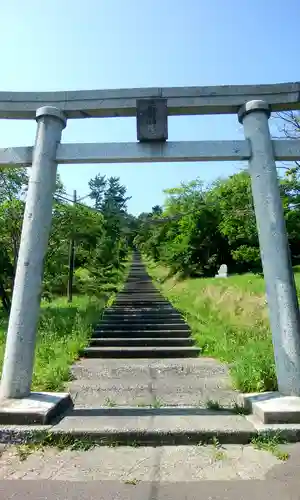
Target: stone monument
x,y
223,272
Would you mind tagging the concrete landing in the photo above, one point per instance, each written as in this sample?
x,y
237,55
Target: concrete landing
x,y
148,490
163,473
144,464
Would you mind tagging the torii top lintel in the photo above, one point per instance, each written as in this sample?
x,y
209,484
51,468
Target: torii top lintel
x,y
224,99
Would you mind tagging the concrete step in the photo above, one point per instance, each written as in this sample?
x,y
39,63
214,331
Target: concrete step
x,y
138,311
142,326
139,279
135,320
140,352
155,426
143,316
141,342
150,311
140,283
140,297
142,304
140,333
147,293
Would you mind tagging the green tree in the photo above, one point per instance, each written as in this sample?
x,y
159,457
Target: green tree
x,y
111,200
233,197
13,183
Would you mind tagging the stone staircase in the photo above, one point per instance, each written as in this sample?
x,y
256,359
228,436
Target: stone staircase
x,y
142,381
141,324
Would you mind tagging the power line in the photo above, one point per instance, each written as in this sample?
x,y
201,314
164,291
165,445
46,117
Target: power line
x,y
79,199
77,203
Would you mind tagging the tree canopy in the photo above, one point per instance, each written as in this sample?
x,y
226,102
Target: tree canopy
x,y
201,228
100,239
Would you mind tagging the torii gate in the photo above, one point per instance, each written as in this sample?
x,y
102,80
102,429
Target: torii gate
x,y
151,106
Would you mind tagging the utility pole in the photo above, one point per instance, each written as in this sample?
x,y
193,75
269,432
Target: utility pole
x,y
71,257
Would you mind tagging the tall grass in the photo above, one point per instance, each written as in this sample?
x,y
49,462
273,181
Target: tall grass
x,y
64,329
229,320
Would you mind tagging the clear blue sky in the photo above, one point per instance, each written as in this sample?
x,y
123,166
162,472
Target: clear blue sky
x,y
98,44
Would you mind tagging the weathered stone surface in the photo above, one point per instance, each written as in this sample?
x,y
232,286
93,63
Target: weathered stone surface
x,y
128,464
142,381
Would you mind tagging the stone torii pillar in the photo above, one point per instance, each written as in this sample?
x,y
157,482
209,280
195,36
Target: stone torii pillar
x,y
276,260
17,403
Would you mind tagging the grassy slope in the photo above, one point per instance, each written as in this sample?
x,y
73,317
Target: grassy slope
x,y
64,329
229,320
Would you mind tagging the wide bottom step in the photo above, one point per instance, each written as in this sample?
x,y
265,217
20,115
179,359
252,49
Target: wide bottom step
x,y
151,428
141,352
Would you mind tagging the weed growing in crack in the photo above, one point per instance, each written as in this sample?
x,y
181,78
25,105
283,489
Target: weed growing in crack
x,y
110,403
219,455
132,482
239,409
213,405
270,442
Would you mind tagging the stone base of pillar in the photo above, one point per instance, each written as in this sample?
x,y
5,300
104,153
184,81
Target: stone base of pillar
x,y
272,407
39,408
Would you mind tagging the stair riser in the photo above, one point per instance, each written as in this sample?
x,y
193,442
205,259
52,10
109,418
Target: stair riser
x,y
170,438
146,295
141,354
129,311
129,297
139,280
141,305
144,318
138,321
142,326
142,333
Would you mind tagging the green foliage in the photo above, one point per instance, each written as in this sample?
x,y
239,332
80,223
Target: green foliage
x,y
13,184
271,441
102,237
63,331
229,321
101,260
200,228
